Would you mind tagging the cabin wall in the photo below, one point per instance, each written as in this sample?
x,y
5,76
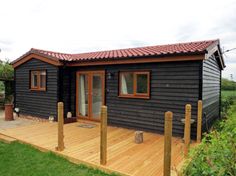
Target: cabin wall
x,y
172,84
211,91
36,103
69,90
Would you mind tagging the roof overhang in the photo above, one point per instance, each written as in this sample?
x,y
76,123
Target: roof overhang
x,y
28,56
138,60
215,50
62,59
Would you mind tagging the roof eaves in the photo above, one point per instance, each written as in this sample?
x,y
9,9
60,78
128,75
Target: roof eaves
x,y
37,55
215,48
44,55
117,59
221,55
135,60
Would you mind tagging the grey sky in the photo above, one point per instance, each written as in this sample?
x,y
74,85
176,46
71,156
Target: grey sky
x,y
75,26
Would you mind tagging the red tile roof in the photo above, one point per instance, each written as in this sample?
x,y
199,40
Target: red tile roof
x,y
158,50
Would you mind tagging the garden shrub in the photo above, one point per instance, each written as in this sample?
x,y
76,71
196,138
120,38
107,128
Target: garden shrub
x,y
216,155
7,76
226,102
228,84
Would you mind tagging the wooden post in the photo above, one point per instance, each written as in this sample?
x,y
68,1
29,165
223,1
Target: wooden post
x,y
60,119
187,129
103,138
167,143
199,121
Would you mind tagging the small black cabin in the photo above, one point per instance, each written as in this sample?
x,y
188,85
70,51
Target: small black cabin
x,y
138,85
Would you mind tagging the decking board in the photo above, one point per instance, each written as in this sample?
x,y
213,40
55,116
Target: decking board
x,y
82,145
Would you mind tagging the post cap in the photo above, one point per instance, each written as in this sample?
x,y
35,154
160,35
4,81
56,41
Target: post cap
x,y
60,103
188,106
104,107
168,115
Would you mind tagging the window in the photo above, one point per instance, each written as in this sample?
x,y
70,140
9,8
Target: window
x,y
134,84
38,80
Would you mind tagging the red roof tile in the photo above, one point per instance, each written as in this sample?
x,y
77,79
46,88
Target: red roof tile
x,y
158,50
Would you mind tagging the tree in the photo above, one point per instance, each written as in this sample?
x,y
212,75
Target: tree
x,y
7,76
6,71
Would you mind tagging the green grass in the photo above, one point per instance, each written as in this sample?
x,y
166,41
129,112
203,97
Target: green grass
x,y
19,159
227,93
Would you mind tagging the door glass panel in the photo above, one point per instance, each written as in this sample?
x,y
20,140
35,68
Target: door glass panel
x,y
96,95
83,95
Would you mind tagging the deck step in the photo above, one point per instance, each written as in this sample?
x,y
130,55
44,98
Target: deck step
x,y
6,139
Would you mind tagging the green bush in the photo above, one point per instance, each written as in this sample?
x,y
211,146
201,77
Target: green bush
x,y
216,155
227,84
226,102
7,84
6,71
2,86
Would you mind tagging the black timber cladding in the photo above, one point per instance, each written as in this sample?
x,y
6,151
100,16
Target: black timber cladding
x,y
69,90
36,103
211,91
173,85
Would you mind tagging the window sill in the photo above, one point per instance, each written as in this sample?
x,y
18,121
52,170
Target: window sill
x,y
133,96
42,90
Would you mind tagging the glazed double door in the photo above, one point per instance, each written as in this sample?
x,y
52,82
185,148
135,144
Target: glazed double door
x,y
89,94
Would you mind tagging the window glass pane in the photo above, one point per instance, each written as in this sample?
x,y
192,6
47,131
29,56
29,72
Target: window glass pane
x,y
34,79
43,79
142,83
127,83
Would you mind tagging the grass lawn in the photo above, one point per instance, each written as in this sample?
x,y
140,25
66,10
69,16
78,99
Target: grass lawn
x,y
23,160
226,93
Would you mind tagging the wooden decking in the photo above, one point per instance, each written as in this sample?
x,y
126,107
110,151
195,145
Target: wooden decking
x,y
82,146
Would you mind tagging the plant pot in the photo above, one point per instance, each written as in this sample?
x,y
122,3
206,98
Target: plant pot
x,y
9,112
70,120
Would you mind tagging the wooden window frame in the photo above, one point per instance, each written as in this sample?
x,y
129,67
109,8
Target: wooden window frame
x,y
37,88
135,94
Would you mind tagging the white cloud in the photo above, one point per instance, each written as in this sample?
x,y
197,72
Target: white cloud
x,y
79,26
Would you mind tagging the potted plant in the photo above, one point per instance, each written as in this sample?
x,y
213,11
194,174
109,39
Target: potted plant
x,y
9,108
69,118
51,118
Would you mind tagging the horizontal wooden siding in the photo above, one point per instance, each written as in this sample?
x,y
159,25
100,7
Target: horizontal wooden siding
x,y
36,103
173,85
211,91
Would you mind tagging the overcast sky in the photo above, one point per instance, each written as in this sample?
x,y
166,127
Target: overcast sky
x,y
75,26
